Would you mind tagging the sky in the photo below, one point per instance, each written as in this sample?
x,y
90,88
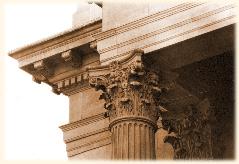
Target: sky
x,y
33,112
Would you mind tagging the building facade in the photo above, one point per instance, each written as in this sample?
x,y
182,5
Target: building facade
x,y
144,80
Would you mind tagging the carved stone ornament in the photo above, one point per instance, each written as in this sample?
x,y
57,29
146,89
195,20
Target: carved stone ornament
x,y
42,71
93,45
190,136
131,93
128,88
72,85
72,57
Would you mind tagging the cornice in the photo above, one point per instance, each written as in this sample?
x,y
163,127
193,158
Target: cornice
x,y
167,28
90,143
86,135
89,146
54,37
57,45
83,122
145,20
58,48
170,38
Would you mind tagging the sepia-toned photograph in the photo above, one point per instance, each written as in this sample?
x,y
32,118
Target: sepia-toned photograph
x,y
111,80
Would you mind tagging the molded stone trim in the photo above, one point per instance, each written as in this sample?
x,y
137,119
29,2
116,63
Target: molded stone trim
x,y
79,123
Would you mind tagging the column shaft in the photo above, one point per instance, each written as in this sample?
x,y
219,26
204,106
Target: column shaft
x,y
133,140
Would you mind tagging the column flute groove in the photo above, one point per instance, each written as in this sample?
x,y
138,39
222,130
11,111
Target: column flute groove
x,y
147,146
127,141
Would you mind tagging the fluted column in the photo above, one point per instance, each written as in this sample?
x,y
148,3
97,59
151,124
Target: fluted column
x,y
133,140
131,93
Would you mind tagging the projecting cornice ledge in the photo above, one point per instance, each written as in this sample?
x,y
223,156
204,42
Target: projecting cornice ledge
x,y
58,60
58,43
164,28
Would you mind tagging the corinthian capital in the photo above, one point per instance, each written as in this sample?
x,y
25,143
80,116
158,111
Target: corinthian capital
x,y
128,87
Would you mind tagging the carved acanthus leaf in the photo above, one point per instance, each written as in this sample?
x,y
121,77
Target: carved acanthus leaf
x,y
129,89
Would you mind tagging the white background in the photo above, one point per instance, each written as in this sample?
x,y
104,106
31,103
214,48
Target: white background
x,y
32,112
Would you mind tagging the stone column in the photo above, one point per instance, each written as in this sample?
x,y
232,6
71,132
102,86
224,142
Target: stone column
x,y
131,93
133,139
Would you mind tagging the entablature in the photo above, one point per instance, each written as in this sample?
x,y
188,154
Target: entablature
x,y
60,61
164,28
